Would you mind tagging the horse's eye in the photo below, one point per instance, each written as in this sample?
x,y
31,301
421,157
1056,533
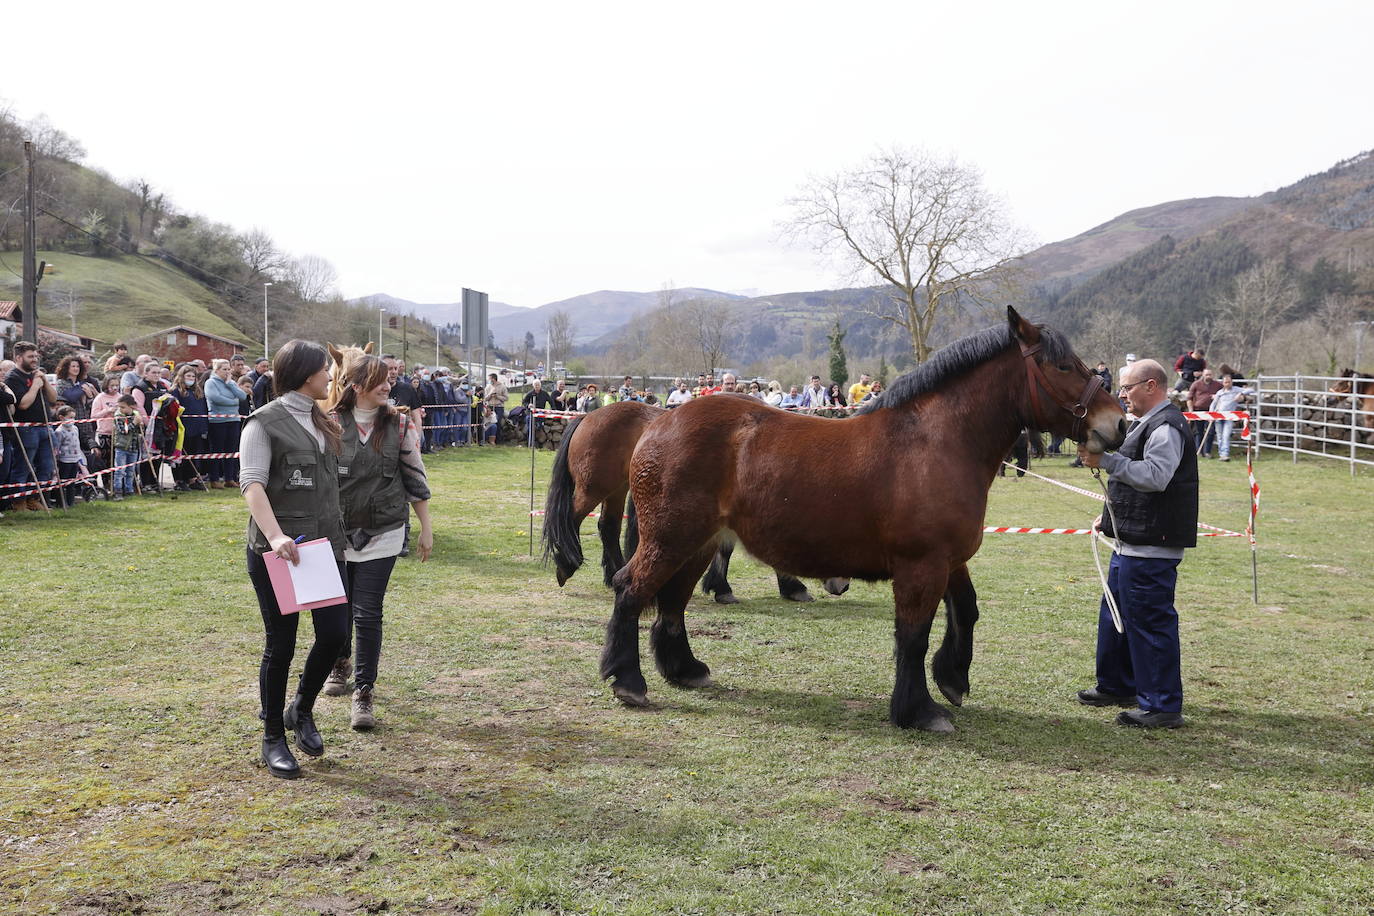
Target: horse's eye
x,y
1063,368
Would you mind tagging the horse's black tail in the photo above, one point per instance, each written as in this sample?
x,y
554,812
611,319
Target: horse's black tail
x,y
562,539
717,581
631,529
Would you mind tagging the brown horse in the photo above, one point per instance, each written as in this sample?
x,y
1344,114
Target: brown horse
x,y
591,471
903,498
1361,385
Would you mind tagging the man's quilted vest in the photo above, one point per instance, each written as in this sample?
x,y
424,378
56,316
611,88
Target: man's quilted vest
x,y
1167,518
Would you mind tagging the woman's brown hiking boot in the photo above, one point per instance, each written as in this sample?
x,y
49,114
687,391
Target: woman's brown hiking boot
x,y
363,718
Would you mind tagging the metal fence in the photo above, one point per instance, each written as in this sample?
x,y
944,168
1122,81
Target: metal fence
x,y
1298,414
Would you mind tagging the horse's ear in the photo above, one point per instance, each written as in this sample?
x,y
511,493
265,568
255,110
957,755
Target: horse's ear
x,y
1022,329
368,348
334,354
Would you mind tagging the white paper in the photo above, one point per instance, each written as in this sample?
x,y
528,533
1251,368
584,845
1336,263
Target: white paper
x,y
316,576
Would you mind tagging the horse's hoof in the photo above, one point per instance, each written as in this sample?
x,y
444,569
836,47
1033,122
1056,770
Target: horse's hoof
x,y
726,598
951,694
800,597
562,579
939,724
701,680
837,587
630,697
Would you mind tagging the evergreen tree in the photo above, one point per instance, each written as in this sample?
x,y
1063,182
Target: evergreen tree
x,y
839,370
882,369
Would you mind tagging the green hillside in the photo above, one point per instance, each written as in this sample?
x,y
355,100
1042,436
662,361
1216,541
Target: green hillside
x,y
121,296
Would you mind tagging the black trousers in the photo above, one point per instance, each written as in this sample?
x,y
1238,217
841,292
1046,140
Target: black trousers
x,y
279,646
366,589
192,446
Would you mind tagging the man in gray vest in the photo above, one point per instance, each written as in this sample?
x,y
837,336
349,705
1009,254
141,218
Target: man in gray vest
x,y
1153,495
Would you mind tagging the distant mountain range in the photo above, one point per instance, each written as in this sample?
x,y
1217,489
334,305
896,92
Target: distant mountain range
x,y
1159,260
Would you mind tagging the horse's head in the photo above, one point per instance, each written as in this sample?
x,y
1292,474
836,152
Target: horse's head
x,y
1064,396
343,360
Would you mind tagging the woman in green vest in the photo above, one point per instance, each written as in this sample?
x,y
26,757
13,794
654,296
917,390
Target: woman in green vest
x,y
290,479
381,478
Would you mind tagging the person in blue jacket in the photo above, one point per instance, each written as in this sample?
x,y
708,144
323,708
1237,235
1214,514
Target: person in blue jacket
x,y
223,398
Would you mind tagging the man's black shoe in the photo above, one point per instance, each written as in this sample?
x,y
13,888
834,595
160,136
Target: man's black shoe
x,y
278,758
1139,718
302,722
1094,697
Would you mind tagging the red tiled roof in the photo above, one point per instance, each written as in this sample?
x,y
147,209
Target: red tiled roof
x,y
182,327
8,310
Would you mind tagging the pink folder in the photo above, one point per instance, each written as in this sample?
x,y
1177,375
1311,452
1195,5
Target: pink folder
x,y
279,572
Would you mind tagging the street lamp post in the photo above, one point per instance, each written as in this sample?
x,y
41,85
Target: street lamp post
x,y
266,350
381,320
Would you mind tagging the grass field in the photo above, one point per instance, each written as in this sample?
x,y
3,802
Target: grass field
x,y
506,780
121,296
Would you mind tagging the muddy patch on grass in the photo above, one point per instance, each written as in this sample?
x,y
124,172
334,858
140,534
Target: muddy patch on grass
x,y
712,629
904,864
450,685
901,805
105,903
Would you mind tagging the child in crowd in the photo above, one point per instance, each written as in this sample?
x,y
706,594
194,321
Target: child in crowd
x,y
128,441
71,461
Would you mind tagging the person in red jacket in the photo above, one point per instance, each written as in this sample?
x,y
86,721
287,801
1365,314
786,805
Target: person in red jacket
x,y
1188,366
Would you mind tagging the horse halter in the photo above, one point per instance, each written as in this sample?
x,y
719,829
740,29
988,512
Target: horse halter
x,y
1035,380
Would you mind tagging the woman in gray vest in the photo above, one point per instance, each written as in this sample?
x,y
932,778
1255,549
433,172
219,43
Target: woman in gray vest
x,y
289,477
381,477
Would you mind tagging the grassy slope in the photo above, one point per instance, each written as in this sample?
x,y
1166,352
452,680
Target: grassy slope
x,y
122,296
505,780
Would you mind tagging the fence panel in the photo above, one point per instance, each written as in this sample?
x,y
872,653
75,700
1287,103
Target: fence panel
x,y
1299,415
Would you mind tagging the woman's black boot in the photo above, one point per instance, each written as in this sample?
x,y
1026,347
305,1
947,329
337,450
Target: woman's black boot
x,y
277,756
299,719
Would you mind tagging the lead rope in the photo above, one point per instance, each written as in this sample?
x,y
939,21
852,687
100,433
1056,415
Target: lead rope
x,y
1097,559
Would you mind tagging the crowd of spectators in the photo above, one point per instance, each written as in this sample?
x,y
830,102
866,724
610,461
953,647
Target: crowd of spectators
x,y
813,395
130,416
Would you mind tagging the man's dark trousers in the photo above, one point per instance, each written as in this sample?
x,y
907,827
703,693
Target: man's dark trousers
x,y
1144,660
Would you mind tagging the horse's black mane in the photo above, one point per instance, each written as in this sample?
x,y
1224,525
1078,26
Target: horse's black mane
x,y
961,356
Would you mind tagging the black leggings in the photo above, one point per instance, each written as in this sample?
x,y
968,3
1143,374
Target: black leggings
x,y
279,646
366,589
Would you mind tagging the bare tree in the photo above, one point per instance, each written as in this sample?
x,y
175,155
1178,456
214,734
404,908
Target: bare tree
x,y
925,227
1110,335
708,323
1259,299
144,189
260,253
1333,319
1203,330
312,277
51,143
559,331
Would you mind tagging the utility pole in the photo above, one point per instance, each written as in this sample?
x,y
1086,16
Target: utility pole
x,y
405,341
30,303
381,319
266,349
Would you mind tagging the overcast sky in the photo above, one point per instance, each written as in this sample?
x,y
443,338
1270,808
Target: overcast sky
x,y
539,151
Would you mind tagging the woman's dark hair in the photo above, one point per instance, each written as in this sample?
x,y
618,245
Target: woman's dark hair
x,y
66,364
291,368
367,373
